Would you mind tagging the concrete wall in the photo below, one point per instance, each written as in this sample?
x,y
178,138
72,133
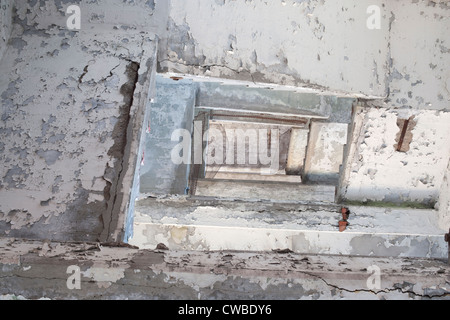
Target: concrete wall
x,y
313,43
419,76
71,108
319,44
375,171
6,13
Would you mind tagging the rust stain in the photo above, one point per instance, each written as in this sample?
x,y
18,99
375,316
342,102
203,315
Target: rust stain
x,y
405,135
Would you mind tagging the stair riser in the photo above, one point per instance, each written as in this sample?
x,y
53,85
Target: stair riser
x,y
185,237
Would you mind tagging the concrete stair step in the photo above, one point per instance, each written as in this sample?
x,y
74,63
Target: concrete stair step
x,y
256,177
265,190
216,224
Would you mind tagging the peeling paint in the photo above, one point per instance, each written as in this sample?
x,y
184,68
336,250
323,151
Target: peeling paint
x,y
123,273
72,140
77,93
418,172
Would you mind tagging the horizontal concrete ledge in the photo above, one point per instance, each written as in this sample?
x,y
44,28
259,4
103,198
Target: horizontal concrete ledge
x,y
257,177
243,112
272,86
194,224
33,270
269,190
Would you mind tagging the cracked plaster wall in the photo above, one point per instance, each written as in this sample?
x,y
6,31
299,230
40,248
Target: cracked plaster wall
x,y
71,109
316,43
64,94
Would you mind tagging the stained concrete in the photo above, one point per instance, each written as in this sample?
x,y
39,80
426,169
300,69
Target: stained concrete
x,y
172,110
73,123
310,43
419,54
258,225
297,151
262,190
36,270
444,201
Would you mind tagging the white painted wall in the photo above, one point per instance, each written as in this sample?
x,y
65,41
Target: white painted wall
x,y
377,172
317,42
420,52
320,44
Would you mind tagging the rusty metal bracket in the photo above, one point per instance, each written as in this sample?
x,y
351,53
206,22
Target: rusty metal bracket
x,y
344,223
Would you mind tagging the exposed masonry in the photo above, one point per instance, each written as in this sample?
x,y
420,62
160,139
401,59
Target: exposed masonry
x,y
126,273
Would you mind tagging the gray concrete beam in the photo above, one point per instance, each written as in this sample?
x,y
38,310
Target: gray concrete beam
x,y
34,270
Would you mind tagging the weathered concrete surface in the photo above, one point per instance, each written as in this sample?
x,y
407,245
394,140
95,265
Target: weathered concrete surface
x,y
216,224
297,151
34,270
273,99
71,116
256,177
376,171
6,14
316,44
419,54
286,42
264,190
172,110
325,152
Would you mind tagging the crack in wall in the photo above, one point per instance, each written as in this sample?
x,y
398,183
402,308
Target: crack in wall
x,y
396,287
118,151
207,67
